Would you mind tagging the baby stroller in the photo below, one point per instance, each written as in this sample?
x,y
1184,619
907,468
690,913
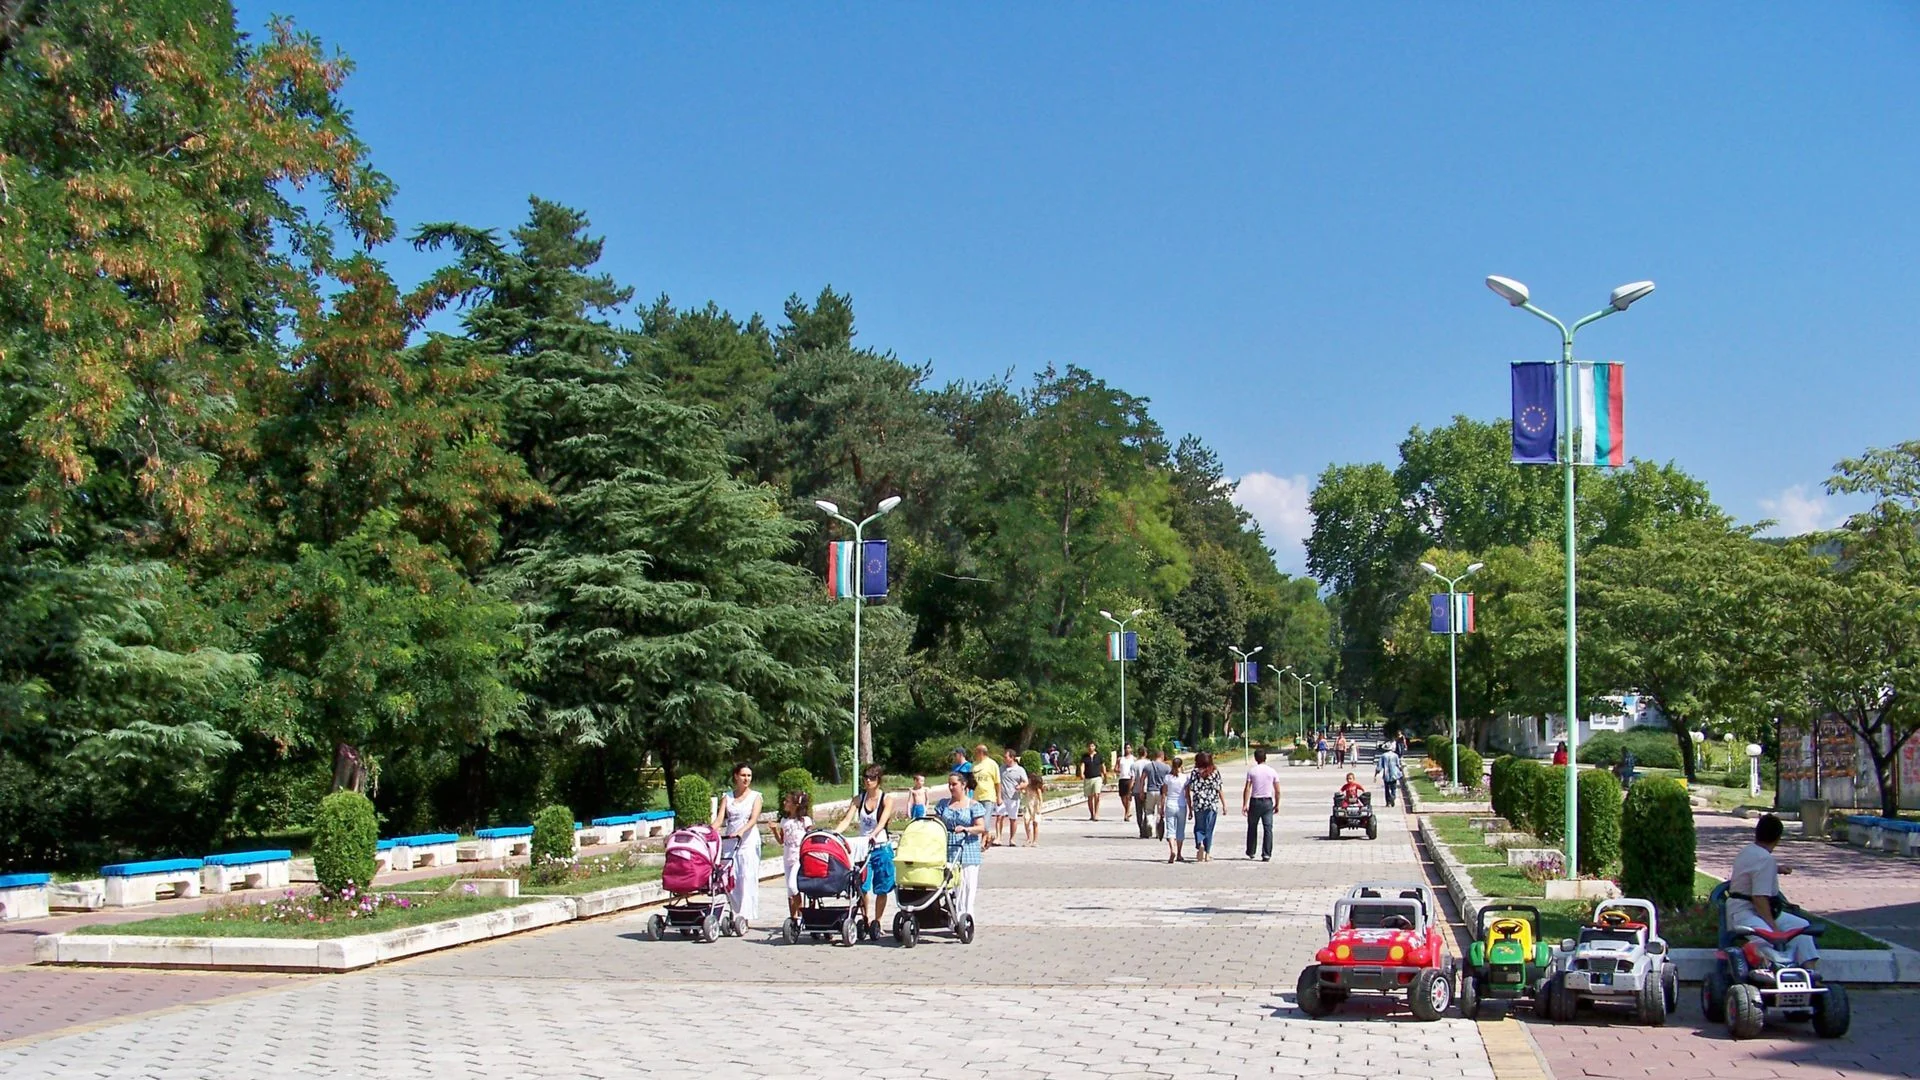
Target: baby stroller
x,y
698,880
832,868
924,881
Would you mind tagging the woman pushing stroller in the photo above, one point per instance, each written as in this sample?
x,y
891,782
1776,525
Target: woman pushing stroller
x,y
966,822
737,820
873,810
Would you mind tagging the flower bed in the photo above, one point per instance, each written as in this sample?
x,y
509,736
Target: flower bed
x,y
306,916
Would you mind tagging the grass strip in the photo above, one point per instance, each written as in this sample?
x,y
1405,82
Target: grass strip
x,y
197,924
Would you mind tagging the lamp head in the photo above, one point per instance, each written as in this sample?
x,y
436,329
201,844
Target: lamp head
x,y
1429,568
1256,649
1475,567
1105,614
1137,612
1624,296
831,508
1512,291
888,503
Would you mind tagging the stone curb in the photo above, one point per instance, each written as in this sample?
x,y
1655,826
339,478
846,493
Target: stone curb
x,y
1895,966
365,950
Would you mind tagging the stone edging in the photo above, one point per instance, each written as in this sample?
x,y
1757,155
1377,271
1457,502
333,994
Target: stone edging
x,y
1851,966
1442,806
364,950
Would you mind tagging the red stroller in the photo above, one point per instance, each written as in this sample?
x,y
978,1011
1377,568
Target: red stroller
x,y
832,869
698,880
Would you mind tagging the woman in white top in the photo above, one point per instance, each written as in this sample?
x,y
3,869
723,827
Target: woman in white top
x,y
1174,811
737,819
1125,769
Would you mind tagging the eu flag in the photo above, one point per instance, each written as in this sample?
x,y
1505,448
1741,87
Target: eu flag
x,y
1534,415
873,569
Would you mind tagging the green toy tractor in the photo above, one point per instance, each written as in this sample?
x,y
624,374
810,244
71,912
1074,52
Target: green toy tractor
x,y
1507,959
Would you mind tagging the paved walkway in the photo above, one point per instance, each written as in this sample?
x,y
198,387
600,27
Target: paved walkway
x,y
1095,958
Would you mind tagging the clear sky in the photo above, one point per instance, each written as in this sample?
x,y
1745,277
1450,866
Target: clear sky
x,y
1273,220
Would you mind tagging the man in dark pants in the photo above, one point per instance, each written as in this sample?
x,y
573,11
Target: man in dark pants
x,y
1257,801
1149,787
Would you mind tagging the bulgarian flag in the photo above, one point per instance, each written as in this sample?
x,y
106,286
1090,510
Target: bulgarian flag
x,y
843,570
1600,409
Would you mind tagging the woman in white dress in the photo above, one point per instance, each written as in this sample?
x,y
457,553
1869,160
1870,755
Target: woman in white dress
x,y
737,820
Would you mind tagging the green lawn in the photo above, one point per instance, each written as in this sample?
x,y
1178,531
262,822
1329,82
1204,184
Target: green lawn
x,y
1464,840
1428,792
197,924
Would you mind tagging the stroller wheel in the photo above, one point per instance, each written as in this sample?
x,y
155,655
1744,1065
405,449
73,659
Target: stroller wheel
x,y
657,927
907,932
790,931
710,929
849,932
964,929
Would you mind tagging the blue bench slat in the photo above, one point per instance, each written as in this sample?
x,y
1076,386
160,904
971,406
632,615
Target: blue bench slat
x,y
248,858
617,819
504,832
425,839
151,866
656,815
386,845
21,881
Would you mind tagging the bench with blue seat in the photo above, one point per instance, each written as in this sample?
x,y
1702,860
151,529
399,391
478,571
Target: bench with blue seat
x,y
23,896
500,842
269,869
424,849
619,828
1876,833
658,822
133,883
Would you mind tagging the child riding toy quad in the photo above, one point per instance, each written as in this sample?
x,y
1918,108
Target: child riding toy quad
x,y
1752,975
1507,959
1384,938
1353,811
1619,959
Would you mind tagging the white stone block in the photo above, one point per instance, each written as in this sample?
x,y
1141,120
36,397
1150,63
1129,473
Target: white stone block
x,y
273,874
502,887
88,895
146,888
1600,889
25,902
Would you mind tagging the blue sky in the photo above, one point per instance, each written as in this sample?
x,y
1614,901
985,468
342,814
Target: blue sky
x,y
1273,220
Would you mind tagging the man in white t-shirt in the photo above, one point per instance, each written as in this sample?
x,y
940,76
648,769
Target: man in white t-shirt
x,y
1013,779
1753,893
1124,767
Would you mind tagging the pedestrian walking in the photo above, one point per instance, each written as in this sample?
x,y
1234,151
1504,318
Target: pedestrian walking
x,y
1013,780
1124,778
1031,801
1340,750
872,810
986,786
966,823
1203,795
1150,778
1390,770
1092,770
737,819
1560,755
1320,749
796,819
1258,798
1174,812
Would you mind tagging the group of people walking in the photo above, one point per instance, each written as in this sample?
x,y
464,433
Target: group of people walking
x,y
982,797
1155,793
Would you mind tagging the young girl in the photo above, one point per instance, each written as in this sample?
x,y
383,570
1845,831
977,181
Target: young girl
x,y
1031,798
795,810
917,797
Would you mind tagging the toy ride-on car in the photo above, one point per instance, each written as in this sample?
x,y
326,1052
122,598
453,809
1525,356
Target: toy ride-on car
x,y
1352,812
1507,959
1618,959
1383,938
1754,974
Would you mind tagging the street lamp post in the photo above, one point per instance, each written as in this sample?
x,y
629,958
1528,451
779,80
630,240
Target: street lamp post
x,y
1453,670
1514,293
1279,706
1122,624
1316,705
1246,695
1299,697
859,599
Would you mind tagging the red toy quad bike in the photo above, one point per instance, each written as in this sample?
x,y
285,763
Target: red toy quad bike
x,y
1383,938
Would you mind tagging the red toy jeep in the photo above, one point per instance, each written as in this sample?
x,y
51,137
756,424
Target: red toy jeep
x,y
1384,938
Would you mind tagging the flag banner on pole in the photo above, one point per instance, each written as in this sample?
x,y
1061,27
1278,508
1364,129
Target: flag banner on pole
x,y
1437,617
840,569
1600,402
873,570
1123,646
1534,414
1248,672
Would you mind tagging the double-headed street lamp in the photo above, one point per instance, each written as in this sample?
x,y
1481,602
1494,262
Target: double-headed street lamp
x,y
1453,670
1122,624
859,598
1622,298
1246,691
1299,696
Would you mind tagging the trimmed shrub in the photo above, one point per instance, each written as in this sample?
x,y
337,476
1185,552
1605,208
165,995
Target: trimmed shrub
x,y
692,801
933,755
1599,808
1657,843
1303,752
1500,786
1034,764
1435,747
552,835
1652,749
1470,767
1520,781
345,835
794,779
1547,804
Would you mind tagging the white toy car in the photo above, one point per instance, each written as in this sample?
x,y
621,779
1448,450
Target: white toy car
x,y
1619,959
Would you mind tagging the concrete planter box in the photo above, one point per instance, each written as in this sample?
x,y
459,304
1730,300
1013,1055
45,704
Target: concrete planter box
x,y
1490,824
1509,839
1584,889
1530,856
504,888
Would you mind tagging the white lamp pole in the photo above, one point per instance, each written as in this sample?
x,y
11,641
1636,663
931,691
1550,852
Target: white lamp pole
x,y
1122,624
859,599
1453,670
1299,698
1246,696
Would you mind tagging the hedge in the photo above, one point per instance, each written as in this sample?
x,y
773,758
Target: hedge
x,y
346,833
1034,764
1470,767
1599,803
1500,787
933,755
794,779
1657,843
692,801
552,836
1651,749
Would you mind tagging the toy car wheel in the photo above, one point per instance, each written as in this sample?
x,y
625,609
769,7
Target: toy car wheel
x,y
790,931
849,932
657,927
1333,828
1713,996
1430,995
1670,987
1832,1013
1373,829
1746,1014
1562,1004
1651,1002
1307,994
965,930
1470,997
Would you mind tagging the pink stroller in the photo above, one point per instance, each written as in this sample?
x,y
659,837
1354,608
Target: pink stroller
x,y
698,880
